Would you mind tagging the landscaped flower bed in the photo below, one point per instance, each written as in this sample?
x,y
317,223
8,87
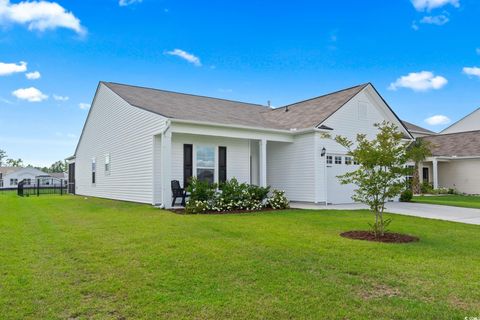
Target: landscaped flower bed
x,y
232,197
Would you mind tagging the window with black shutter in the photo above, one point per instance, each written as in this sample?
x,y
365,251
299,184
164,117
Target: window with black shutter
x,y
222,164
187,163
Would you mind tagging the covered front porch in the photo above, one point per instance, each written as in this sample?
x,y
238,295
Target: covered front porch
x,y
210,153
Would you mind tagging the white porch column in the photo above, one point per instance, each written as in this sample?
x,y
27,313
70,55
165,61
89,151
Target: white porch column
x,y
435,173
263,162
166,169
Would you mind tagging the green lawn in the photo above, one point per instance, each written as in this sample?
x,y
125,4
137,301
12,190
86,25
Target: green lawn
x,y
451,200
74,258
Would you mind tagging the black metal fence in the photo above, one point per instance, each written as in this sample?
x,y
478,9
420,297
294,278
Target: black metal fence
x,y
41,186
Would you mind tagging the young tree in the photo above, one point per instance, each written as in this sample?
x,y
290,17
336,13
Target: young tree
x,y
418,152
58,166
15,163
3,155
381,175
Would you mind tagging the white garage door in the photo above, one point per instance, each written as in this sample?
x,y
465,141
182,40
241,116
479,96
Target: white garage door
x,y
338,164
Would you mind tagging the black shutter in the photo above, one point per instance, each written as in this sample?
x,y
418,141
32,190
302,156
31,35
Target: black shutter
x,y
222,164
187,163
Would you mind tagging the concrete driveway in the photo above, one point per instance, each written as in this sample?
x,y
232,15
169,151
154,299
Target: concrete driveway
x,y
431,211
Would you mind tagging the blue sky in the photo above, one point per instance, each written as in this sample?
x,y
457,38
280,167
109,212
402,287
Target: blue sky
x,y
422,55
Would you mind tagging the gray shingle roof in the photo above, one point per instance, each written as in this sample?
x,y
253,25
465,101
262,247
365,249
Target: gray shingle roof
x,y
305,114
191,107
310,113
415,128
8,170
459,144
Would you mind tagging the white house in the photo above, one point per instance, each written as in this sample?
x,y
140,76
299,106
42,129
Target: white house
x,y
136,140
11,176
471,122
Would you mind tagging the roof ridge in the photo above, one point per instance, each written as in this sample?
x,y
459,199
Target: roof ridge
x,y
363,85
183,93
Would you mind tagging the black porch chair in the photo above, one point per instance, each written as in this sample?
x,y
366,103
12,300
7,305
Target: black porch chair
x,y
178,192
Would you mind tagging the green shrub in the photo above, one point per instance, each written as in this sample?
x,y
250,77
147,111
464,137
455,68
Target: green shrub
x,y
426,187
278,200
205,197
406,196
201,190
452,191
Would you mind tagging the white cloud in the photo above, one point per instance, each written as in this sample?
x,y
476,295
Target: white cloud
x,y
84,106
437,120
421,5
39,15
30,94
477,51
33,75
472,71
124,3
7,69
419,81
186,56
71,135
60,98
437,20
415,25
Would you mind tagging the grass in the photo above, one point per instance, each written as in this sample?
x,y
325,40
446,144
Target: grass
x,y
74,258
451,200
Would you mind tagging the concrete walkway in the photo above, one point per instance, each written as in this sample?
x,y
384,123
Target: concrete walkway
x,y
431,211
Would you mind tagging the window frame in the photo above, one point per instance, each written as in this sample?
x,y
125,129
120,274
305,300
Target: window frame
x,y
107,166
94,171
339,158
197,147
348,160
329,159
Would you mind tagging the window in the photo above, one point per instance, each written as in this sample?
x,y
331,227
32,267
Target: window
x,y
425,174
348,160
13,182
28,182
338,160
94,169
329,159
206,163
1,183
107,164
355,162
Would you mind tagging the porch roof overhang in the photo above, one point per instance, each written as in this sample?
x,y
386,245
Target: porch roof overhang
x,y
231,131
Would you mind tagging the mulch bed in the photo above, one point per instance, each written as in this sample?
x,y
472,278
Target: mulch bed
x,y
182,211
388,237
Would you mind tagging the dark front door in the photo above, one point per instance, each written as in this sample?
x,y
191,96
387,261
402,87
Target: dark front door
x,y
71,178
425,175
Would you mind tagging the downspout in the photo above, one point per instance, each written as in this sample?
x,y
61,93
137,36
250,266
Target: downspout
x,y
161,205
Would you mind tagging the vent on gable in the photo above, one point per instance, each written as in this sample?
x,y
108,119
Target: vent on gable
x,y
362,110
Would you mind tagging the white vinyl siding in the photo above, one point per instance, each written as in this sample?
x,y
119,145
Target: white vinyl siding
x,y
126,133
461,175
291,167
238,155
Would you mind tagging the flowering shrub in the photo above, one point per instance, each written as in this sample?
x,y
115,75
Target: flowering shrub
x,y
278,200
205,197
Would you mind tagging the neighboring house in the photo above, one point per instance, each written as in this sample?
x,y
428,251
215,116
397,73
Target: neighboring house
x,y
11,176
455,160
136,140
470,122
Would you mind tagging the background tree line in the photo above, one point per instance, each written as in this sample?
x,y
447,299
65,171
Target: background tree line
x,y
58,166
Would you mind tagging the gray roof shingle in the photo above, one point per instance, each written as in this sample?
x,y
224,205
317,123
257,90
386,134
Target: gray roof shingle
x,y
461,144
305,114
415,128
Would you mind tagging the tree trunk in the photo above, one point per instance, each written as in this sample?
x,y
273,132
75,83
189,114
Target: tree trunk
x,y
416,180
